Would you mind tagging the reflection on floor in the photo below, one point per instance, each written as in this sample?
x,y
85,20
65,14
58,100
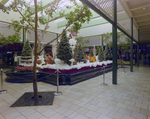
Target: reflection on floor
x,y
129,99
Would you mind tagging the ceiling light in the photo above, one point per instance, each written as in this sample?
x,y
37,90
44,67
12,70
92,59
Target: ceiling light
x,y
144,8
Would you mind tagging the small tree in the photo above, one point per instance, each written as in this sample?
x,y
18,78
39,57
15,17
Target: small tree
x,y
97,50
64,51
80,55
36,13
101,54
105,52
109,54
27,50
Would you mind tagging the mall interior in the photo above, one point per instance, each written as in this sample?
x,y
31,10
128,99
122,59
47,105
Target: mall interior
x,y
118,88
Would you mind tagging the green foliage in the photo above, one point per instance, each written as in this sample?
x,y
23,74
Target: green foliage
x,y
75,63
9,39
109,53
101,54
106,36
27,50
64,51
91,53
97,49
79,15
105,53
68,62
123,44
80,55
81,42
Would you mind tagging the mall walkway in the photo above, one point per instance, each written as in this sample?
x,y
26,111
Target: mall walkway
x,y
130,99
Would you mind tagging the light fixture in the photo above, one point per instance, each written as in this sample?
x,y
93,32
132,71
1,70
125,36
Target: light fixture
x,y
144,8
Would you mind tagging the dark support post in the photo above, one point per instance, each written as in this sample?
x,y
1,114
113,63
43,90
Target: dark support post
x,y
24,35
114,81
102,40
131,47
57,37
138,49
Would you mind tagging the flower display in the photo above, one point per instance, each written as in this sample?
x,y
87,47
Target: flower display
x,y
39,61
25,68
48,60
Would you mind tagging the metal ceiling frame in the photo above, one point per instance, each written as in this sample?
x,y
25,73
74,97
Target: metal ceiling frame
x,y
89,4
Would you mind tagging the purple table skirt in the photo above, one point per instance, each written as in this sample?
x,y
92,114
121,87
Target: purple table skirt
x,y
73,70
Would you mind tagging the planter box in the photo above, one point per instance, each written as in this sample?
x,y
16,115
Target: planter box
x,y
73,76
66,77
22,77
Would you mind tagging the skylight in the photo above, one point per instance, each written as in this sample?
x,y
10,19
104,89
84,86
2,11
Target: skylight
x,y
62,3
28,1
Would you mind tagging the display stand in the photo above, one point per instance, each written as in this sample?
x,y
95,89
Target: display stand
x,y
2,91
103,84
57,93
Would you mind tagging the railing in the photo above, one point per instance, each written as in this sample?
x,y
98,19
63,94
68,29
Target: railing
x,y
2,91
29,62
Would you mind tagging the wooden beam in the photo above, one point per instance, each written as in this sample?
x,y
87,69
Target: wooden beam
x,y
125,6
133,9
145,27
141,15
146,32
144,23
143,20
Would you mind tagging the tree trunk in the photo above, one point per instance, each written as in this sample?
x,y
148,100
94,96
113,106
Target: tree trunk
x,y
35,88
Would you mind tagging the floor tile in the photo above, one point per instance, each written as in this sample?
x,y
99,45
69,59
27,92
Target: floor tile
x,y
80,116
138,115
104,117
115,115
48,113
125,111
129,99
82,110
92,114
35,115
103,111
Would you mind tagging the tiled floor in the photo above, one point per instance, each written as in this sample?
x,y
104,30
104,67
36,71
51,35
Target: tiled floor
x,y
130,99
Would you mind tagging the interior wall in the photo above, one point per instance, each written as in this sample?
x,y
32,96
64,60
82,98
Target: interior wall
x,y
95,30
6,31
16,16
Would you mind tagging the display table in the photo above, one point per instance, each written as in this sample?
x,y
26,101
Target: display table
x,y
69,74
73,76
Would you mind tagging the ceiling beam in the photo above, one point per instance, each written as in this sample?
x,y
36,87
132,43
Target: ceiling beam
x,y
141,15
144,23
143,20
145,32
125,6
144,27
132,9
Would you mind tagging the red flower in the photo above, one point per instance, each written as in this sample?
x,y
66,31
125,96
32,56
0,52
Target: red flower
x,y
25,68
